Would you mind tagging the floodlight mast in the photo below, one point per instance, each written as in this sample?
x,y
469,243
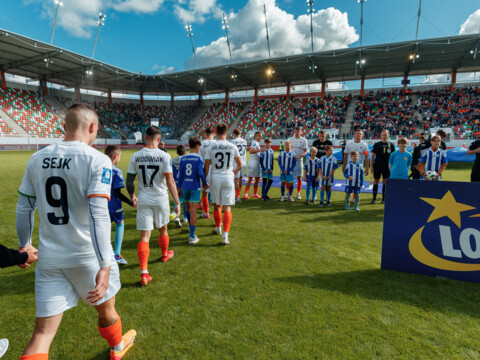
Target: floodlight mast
x,y
266,28
188,27
310,4
361,2
101,22
58,3
418,18
225,27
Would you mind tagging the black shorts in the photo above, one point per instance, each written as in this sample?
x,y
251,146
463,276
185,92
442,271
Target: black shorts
x,y
475,176
382,171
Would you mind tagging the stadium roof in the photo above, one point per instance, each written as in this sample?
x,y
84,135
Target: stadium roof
x,y
27,57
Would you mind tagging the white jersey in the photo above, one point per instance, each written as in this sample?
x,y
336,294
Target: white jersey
x,y
255,157
299,145
205,147
150,165
222,155
361,147
241,145
62,177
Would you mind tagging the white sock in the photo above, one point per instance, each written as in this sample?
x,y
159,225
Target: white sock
x,y
144,272
119,347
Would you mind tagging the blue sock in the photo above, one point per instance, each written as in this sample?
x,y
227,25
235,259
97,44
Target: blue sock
x,y
329,195
322,195
282,189
308,191
209,198
192,230
269,184
314,192
187,215
290,192
264,188
120,228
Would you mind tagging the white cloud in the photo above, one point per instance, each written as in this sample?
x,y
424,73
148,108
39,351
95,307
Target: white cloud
x,y
472,24
197,11
288,35
79,17
165,69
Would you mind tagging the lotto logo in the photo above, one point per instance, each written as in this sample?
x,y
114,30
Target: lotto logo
x,y
106,176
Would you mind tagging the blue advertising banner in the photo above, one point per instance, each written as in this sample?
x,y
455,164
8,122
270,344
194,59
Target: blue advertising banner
x,y
432,228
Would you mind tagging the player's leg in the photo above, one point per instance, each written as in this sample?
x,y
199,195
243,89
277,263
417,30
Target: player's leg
x,y
247,185
227,221
193,239
143,251
314,189
290,189
43,334
357,199
347,198
217,217
385,176
322,195
376,181
110,328
309,187
264,186
163,242
299,187
329,195
255,188
119,231
282,187
268,186
205,205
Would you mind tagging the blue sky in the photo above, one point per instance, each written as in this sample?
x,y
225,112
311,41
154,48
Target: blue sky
x,y
149,35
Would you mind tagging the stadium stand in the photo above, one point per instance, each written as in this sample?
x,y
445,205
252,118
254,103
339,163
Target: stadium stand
x,y
268,116
224,114
457,108
380,110
314,113
31,112
6,130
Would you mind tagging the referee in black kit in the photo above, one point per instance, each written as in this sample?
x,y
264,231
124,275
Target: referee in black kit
x,y
320,143
379,157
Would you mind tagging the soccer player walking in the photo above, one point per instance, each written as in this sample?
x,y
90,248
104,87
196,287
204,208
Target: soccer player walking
x,y
190,178
300,149
219,163
210,138
69,182
241,145
154,169
379,157
253,168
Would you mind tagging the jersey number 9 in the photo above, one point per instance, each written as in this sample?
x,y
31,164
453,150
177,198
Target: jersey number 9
x,y
61,202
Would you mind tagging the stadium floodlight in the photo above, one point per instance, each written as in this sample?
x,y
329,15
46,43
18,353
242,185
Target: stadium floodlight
x,y
101,22
361,2
201,81
418,18
234,77
188,27
311,10
270,72
58,3
225,27
266,28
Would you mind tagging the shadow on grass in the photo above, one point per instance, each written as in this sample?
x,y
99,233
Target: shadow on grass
x,y
102,356
417,290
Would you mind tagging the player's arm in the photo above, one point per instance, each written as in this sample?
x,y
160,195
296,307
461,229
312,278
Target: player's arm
x,y
262,158
172,188
372,156
472,150
345,157
130,183
367,161
202,176
238,161
254,151
118,193
282,170
305,151
443,166
294,163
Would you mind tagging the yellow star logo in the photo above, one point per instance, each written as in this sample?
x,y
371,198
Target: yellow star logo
x,y
447,206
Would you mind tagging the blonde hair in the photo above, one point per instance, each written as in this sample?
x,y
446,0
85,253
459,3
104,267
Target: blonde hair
x,y
313,149
288,142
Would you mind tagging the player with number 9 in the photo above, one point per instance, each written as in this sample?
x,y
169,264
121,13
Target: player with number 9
x,y
154,169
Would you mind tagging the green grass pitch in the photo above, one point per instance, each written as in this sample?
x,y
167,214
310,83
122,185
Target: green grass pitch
x,y
297,282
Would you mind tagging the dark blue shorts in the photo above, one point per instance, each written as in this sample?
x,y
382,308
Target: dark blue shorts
x,y
117,217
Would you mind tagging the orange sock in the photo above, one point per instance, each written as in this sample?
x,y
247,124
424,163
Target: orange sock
x,y
163,242
34,357
255,189
217,216
112,333
205,204
299,185
227,221
143,251
237,192
247,189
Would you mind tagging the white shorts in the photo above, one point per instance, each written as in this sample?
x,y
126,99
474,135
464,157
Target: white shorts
x,y
57,290
147,214
240,174
253,169
297,171
223,190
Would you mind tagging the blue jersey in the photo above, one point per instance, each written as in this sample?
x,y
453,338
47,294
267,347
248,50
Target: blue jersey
x,y
311,166
175,168
400,164
266,160
287,161
190,174
327,165
354,170
433,160
115,204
